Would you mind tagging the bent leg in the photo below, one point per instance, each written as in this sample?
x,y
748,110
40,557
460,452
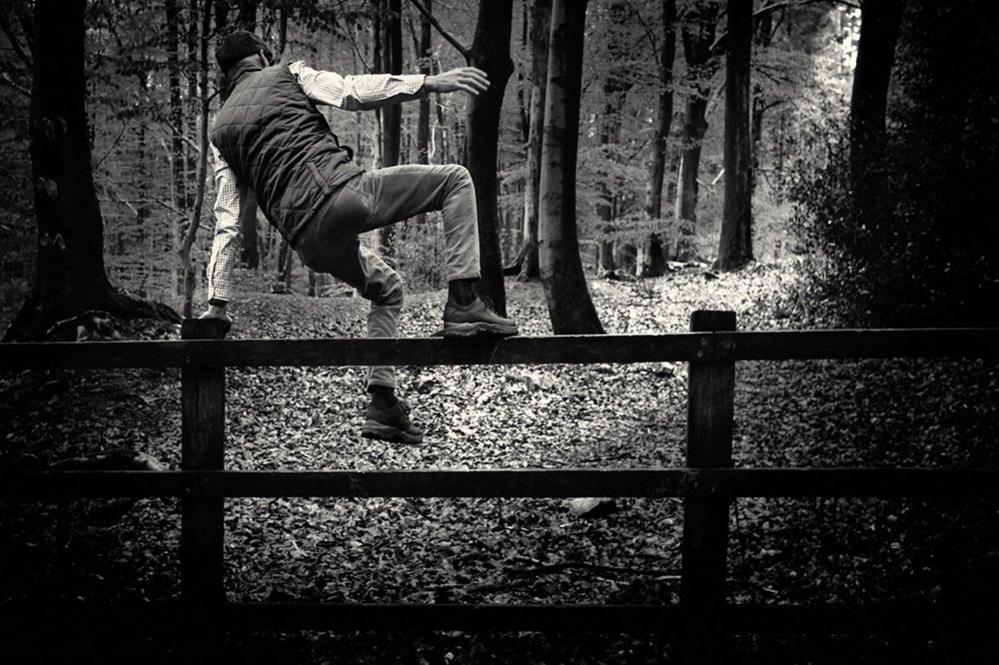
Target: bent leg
x,y
399,192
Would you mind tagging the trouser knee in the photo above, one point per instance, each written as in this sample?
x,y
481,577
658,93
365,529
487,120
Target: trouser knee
x,y
387,293
458,175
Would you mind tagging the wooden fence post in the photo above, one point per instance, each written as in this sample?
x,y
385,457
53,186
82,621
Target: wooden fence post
x,y
202,529
710,407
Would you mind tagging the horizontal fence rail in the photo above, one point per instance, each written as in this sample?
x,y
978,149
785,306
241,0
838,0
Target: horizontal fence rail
x,y
887,617
575,349
513,483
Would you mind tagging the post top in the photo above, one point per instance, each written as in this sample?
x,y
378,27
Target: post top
x,y
203,329
706,320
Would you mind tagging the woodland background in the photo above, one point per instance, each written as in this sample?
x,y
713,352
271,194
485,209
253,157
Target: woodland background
x,y
861,190
902,228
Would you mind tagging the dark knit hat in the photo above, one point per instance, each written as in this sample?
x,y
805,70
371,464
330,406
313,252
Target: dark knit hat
x,y
237,45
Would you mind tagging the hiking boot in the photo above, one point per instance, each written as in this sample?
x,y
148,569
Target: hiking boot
x,y
390,423
475,318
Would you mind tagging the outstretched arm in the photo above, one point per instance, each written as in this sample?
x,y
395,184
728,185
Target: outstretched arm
x,y
225,245
370,91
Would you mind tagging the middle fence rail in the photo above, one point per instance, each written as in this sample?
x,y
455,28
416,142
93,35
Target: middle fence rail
x,y
707,484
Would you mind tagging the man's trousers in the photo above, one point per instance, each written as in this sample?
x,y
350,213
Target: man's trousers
x,y
378,198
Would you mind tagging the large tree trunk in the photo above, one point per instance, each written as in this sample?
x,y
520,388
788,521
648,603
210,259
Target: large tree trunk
x,y
735,244
875,54
698,35
653,260
391,116
541,12
490,52
70,278
569,303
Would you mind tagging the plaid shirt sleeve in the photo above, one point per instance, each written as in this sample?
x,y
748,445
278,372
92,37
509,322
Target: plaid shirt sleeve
x,y
356,93
225,246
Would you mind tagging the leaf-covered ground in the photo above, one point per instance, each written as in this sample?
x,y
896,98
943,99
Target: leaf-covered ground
x,y
819,413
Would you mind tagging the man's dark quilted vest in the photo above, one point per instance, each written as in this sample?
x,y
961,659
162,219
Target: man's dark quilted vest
x,y
278,143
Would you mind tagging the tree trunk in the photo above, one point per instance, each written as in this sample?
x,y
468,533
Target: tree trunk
x,y
569,303
868,104
246,19
70,278
698,36
426,61
192,96
391,116
653,263
490,52
615,88
735,244
192,230
176,111
541,11
764,36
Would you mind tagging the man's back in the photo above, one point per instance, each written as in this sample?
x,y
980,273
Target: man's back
x,y
280,145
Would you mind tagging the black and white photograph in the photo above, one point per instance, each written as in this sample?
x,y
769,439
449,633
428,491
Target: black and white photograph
x,y
512,332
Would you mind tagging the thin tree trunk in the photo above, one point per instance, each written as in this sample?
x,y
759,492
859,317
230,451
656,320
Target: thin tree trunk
x,y
653,263
391,116
192,96
764,36
541,11
192,230
246,19
523,110
735,243
566,293
426,61
490,52
615,88
698,36
70,277
868,104
176,110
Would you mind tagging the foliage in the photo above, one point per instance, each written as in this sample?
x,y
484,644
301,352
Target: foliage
x,y
924,252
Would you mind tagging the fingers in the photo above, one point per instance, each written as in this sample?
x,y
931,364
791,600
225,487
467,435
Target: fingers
x,y
477,77
468,79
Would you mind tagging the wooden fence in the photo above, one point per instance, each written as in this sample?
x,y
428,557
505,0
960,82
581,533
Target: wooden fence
x,y
703,619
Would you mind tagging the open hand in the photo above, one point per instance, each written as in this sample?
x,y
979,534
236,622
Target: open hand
x,y
469,79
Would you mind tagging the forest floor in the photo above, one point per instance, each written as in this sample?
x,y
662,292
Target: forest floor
x,y
939,413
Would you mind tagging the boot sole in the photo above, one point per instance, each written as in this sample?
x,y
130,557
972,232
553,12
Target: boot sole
x,y
478,328
376,430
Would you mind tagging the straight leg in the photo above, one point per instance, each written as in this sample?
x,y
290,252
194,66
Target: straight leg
x,y
376,281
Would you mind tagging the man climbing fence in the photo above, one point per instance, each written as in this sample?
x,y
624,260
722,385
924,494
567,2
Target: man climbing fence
x,y
270,137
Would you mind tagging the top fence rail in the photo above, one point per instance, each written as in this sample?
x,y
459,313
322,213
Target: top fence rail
x,y
338,352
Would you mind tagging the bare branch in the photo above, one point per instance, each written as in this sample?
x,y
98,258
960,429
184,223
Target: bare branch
x,y
181,136
114,145
14,85
444,33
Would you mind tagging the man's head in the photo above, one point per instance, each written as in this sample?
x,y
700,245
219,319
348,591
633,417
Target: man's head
x,y
239,45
